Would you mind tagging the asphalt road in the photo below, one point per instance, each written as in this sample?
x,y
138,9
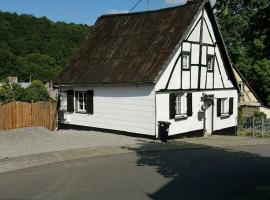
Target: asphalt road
x,y
188,174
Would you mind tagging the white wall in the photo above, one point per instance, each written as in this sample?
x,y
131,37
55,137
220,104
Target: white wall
x,y
125,108
193,123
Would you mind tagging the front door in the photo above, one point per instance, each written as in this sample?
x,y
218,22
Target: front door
x,y
209,114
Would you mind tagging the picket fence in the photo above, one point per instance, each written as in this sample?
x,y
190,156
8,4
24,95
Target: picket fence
x,y
21,114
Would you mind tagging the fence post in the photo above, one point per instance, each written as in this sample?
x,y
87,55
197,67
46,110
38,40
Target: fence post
x,y
253,128
262,127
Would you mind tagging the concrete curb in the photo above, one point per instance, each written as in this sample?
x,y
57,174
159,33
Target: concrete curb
x,y
26,161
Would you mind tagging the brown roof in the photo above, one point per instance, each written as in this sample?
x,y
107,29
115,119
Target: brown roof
x,y
130,48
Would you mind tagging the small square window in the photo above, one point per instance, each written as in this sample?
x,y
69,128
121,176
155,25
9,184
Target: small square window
x,y
186,60
210,62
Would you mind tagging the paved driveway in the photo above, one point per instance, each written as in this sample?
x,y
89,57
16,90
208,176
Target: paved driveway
x,y
39,140
29,147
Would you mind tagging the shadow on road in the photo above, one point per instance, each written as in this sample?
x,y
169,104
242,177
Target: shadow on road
x,y
203,172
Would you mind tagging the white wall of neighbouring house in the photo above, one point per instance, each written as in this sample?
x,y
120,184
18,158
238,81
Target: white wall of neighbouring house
x,y
129,108
195,123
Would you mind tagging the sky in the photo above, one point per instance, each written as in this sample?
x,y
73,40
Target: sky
x,y
79,11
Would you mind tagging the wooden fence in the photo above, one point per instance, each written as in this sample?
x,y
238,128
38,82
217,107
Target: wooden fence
x,y
20,114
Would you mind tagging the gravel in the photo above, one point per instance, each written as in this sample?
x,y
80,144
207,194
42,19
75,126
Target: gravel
x,y
28,141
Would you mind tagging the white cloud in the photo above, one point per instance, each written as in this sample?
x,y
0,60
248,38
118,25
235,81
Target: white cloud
x,y
116,11
178,2
174,2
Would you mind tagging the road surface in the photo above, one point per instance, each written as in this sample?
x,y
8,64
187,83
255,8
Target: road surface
x,y
188,174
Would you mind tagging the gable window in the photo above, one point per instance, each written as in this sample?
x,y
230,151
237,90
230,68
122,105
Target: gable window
x,y
210,62
186,60
241,87
81,102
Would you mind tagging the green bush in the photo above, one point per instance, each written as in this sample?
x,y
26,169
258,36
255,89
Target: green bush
x,y
259,114
35,92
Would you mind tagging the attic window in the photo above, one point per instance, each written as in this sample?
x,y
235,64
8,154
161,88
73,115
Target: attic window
x,y
241,87
210,62
186,60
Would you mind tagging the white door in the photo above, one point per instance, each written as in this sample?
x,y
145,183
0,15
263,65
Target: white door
x,y
209,114
209,120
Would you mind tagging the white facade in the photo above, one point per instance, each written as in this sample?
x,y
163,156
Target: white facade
x,y
139,108
195,122
124,108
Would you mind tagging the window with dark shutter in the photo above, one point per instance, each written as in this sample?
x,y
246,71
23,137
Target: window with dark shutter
x,y
189,104
90,102
172,105
231,106
219,107
70,101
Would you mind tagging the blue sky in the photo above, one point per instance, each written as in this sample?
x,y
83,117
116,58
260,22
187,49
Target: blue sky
x,y
78,11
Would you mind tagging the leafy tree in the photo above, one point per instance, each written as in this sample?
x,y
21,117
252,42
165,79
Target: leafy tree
x,y
24,38
245,26
38,66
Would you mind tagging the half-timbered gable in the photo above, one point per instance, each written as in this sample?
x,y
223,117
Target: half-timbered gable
x,y
200,51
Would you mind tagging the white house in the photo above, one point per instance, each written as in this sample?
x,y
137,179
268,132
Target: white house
x,y
138,69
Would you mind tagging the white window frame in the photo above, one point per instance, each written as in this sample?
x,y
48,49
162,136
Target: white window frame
x,y
187,64
224,106
84,101
181,105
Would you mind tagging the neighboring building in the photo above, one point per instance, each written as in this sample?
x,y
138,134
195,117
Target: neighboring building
x,y
139,69
12,79
53,92
249,102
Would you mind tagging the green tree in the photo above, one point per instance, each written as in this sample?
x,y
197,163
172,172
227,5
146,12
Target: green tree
x,y
38,66
24,38
245,26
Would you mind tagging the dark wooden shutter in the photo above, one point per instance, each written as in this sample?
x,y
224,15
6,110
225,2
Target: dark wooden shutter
x,y
70,101
189,104
218,107
172,105
90,102
231,106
